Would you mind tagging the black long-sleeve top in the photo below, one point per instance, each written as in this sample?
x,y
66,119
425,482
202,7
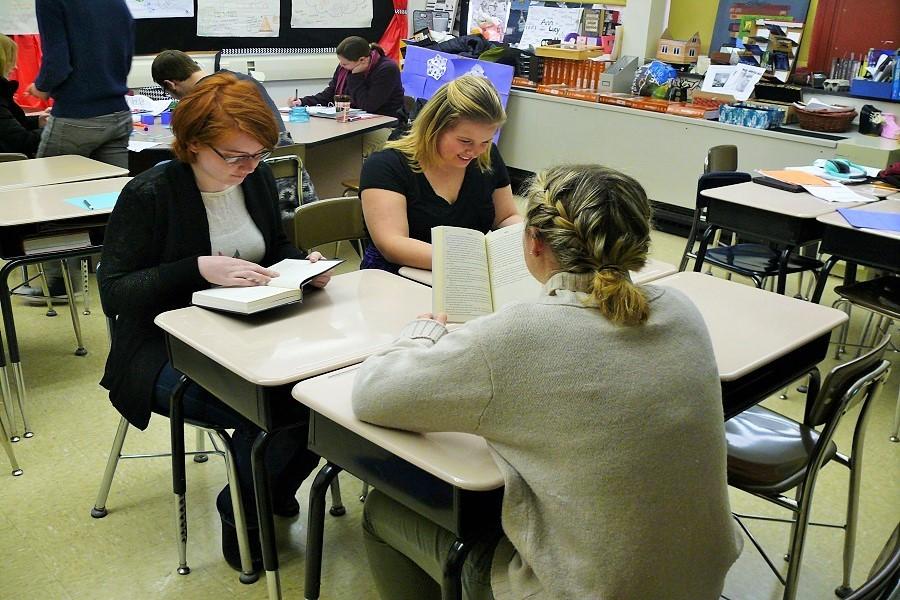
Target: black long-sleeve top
x,y
155,235
18,132
378,91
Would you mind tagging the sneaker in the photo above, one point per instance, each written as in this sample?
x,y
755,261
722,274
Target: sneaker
x,y
27,290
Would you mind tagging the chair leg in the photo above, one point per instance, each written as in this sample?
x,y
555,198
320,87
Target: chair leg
x,y
200,443
51,312
248,575
99,511
844,329
4,441
179,484
337,505
73,310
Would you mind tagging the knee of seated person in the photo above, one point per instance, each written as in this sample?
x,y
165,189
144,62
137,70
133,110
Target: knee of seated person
x,y
374,511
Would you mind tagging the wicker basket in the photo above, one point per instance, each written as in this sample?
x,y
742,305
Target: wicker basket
x,y
834,122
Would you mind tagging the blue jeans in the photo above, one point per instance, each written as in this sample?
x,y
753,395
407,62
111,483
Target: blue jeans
x,y
103,138
287,459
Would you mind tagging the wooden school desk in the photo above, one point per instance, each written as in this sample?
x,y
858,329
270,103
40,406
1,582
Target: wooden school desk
x,y
766,213
870,247
654,269
249,361
30,212
19,174
761,340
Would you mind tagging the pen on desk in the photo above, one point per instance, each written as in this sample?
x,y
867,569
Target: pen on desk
x,y
296,94
88,205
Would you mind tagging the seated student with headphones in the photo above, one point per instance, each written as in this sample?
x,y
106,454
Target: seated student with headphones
x,y
371,79
614,468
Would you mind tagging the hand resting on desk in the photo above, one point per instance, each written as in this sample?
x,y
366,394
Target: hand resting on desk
x,y
236,272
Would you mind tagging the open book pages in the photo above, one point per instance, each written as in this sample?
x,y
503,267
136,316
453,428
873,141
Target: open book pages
x,y
330,111
475,274
294,272
284,289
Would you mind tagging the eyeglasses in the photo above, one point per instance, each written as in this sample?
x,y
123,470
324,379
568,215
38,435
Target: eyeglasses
x,y
233,160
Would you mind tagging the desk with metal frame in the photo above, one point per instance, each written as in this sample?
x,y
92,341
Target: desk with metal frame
x,y
54,169
35,211
447,479
249,361
761,212
871,247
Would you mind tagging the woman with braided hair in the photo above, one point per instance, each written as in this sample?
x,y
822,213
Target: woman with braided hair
x,y
570,391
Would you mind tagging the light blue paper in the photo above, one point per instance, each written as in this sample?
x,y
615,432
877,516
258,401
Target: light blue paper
x,y
94,201
871,220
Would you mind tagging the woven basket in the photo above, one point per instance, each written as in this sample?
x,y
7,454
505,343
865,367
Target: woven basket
x,y
834,122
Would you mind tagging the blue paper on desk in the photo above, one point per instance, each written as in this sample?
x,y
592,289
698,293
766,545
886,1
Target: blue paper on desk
x,y
94,201
870,219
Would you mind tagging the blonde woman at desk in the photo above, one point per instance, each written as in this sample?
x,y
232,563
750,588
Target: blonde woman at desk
x,y
445,171
602,406
208,218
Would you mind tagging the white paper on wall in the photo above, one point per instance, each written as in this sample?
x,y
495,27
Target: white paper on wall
x,y
549,23
160,9
490,16
331,14
237,18
17,17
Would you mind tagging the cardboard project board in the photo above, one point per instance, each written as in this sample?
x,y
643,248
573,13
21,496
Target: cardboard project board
x,y
424,71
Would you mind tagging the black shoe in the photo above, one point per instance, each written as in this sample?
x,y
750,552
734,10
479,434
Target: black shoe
x,y
230,549
287,507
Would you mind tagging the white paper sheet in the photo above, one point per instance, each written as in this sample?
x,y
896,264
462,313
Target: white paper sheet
x,y
736,80
138,145
237,18
17,17
836,193
549,23
145,104
490,16
331,14
160,9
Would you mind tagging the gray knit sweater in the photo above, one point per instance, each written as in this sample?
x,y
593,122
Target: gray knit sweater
x,y
610,440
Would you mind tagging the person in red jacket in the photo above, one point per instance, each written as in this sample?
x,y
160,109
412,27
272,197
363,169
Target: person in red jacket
x,y
18,132
371,79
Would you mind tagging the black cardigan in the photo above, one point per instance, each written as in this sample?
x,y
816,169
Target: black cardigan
x,y
18,133
155,234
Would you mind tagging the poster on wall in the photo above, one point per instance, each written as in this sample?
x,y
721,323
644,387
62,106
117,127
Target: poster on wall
x,y
735,16
160,9
544,23
236,18
490,16
331,14
17,17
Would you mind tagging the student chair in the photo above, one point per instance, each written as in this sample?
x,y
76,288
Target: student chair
x,y
287,168
879,296
331,220
770,454
884,578
721,158
221,441
755,261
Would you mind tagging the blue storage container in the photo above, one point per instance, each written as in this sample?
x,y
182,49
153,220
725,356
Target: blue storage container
x,y
749,115
867,88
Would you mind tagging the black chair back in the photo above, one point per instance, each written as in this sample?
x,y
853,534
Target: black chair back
x,y
841,388
717,179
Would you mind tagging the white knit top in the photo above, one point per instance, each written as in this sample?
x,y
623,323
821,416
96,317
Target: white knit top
x,y
232,231
610,440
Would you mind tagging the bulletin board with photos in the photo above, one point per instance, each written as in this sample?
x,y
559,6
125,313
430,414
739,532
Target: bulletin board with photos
x,y
527,21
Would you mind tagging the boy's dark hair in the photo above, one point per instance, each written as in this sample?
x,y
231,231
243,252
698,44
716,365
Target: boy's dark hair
x,y
172,65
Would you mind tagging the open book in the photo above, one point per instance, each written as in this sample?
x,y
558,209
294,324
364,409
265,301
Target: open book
x,y
475,274
330,112
284,289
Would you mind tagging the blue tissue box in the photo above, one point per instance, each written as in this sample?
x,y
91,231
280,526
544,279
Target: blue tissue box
x,y
749,115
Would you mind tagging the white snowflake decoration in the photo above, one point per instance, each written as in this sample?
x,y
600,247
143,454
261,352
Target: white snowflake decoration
x,y
478,71
436,67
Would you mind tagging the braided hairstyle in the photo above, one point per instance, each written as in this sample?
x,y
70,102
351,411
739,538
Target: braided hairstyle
x,y
595,220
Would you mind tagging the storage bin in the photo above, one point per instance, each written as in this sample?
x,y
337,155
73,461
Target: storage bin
x,y
749,115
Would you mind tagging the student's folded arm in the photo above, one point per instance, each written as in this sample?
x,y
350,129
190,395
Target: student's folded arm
x,y
505,211
56,63
374,91
422,385
130,279
386,220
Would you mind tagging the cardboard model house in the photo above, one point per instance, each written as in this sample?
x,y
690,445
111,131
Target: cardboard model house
x,y
682,52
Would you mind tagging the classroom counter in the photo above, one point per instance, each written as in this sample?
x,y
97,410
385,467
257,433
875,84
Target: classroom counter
x,y
664,152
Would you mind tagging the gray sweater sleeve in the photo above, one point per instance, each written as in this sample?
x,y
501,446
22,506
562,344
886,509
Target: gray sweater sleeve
x,y
422,384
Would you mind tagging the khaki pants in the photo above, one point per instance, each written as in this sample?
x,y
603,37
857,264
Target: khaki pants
x,y
406,553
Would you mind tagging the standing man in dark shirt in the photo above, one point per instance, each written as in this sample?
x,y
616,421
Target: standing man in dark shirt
x,y
87,45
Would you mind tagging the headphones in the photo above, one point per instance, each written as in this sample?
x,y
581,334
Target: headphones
x,y
839,168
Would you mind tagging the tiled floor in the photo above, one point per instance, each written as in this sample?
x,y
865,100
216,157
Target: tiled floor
x,y
52,548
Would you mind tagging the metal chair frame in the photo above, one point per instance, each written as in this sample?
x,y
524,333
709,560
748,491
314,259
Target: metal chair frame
x,y
845,393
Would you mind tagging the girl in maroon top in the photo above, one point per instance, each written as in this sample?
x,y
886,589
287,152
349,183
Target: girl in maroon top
x,y
371,79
